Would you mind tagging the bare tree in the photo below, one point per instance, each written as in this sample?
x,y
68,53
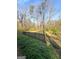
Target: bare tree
x,y
42,13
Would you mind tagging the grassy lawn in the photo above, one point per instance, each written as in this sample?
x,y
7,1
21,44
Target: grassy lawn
x,y
35,49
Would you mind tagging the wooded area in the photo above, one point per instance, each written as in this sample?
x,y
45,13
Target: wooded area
x,y
37,21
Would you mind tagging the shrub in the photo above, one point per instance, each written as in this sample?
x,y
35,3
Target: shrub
x,y
35,49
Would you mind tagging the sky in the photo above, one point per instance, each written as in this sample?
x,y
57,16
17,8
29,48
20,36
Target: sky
x,y
22,4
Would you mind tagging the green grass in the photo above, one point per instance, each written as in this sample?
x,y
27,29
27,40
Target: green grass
x,y
35,49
